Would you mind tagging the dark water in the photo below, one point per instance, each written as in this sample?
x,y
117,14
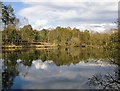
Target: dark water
x,y
74,68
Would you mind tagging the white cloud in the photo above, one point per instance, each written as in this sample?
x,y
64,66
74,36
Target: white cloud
x,y
73,13
104,27
40,24
60,0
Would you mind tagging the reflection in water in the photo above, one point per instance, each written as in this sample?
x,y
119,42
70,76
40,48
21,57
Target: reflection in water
x,y
108,81
0,74
56,69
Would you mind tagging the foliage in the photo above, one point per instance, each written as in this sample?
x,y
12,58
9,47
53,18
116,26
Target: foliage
x,y
60,36
8,16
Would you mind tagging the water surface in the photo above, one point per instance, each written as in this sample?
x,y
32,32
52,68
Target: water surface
x,y
73,68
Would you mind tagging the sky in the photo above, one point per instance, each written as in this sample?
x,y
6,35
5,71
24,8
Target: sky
x,y
83,14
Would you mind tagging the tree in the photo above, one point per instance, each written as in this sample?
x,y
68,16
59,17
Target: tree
x,y
8,16
27,33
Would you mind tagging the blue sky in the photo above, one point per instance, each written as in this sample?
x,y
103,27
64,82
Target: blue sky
x,y
98,16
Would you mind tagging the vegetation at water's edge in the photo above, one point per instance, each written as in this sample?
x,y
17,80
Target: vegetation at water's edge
x,y
27,36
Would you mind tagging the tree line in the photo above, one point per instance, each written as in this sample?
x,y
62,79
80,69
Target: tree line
x,y
60,36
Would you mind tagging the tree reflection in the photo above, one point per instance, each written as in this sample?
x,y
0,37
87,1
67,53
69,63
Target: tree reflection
x,y
108,81
58,56
9,73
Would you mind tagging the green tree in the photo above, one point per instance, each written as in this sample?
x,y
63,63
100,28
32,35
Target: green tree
x,y
27,33
8,16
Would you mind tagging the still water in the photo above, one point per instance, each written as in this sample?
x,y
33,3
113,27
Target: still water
x,y
73,68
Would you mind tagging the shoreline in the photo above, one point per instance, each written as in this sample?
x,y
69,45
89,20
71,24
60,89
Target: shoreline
x,y
26,46
52,46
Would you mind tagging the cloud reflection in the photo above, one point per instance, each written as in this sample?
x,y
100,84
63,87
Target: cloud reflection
x,y
47,75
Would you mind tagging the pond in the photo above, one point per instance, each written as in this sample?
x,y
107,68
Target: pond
x,y
69,68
